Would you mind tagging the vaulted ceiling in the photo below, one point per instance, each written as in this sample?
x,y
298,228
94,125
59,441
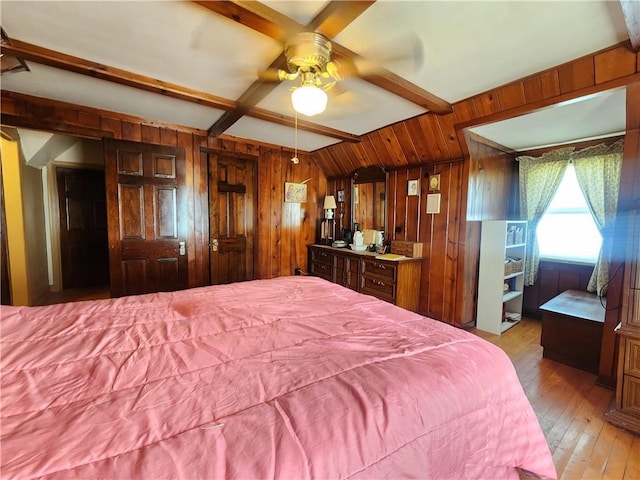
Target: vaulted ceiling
x,y
199,64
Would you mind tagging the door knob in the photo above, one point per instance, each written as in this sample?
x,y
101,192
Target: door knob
x,y
214,245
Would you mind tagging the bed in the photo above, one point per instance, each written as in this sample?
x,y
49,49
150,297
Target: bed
x,y
293,377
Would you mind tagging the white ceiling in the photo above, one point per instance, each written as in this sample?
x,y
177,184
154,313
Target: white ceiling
x,y
467,48
595,116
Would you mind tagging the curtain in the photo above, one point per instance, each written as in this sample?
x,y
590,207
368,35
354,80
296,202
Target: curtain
x,y
539,179
598,171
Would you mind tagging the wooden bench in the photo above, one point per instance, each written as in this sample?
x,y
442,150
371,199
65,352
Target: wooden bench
x,y
572,324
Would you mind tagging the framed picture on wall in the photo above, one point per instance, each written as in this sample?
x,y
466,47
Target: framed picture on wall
x,y
340,196
434,183
412,187
295,192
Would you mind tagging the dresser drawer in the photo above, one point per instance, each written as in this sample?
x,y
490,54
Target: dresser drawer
x,y
347,271
384,270
322,270
632,357
322,256
383,289
631,394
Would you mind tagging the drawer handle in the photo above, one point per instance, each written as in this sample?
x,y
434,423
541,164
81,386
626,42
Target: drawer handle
x,y
379,265
378,282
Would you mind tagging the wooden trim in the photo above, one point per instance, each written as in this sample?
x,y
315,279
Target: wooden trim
x,y
234,110
28,121
79,65
305,125
577,145
335,17
549,102
393,83
53,126
338,15
255,16
485,141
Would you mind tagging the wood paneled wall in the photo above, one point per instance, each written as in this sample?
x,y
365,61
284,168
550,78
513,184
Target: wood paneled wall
x,y
491,194
487,176
284,229
434,138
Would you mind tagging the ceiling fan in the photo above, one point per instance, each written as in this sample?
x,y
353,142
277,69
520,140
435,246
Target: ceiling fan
x,y
308,59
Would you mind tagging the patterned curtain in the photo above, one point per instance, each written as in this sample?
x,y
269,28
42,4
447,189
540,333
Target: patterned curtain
x,y
539,179
598,171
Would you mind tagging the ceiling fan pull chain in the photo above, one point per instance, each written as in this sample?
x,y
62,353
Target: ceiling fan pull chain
x,y
295,158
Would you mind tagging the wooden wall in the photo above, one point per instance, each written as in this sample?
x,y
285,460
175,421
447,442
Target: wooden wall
x,y
432,138
284,229
492,194
438,142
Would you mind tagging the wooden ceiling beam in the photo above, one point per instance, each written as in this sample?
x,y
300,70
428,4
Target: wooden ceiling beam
x,y
70,63
391,82
248,100
82,66
272,117
337,15
631,12
255,16
330,21
334,18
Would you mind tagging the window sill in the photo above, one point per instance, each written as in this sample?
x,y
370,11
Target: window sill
x,y
567,262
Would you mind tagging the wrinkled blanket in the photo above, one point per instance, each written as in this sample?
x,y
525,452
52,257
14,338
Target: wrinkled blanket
x,y
293,377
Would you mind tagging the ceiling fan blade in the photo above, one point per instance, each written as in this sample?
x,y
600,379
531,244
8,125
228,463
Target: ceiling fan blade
x,y
402,54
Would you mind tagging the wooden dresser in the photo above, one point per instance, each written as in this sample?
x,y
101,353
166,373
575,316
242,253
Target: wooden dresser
x,y
626,411
397,282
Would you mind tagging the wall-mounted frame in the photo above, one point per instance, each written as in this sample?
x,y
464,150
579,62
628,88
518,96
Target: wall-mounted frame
x,y
295,192
412,187
340,196
434,183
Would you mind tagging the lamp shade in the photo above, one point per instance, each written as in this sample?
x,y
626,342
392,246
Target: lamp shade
x,y
329,202
309,100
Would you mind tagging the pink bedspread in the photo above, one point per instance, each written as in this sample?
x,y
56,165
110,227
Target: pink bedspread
x,y
293,377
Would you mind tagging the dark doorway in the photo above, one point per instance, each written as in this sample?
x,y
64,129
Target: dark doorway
x,y
83,227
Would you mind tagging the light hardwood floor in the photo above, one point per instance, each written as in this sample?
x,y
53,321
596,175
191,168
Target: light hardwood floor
x,y
75,295
570,408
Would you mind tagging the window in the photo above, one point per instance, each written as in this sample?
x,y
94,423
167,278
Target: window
x,y
567,230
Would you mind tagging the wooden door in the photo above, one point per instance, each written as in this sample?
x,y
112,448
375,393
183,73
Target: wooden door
x,y
147,217
232,218
84,251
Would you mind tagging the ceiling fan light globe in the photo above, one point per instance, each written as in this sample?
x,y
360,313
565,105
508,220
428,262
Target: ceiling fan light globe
x,y
309,100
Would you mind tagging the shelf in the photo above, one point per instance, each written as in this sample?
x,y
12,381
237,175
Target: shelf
x,y
507,325
510,296
501,239
512,275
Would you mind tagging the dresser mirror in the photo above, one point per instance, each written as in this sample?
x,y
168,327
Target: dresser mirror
x,y
368,199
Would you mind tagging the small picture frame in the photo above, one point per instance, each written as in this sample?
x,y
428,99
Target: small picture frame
x,y
412,187
295,192
340,196
434,183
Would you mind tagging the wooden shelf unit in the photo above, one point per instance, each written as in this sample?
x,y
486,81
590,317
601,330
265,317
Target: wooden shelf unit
x,y
500,240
